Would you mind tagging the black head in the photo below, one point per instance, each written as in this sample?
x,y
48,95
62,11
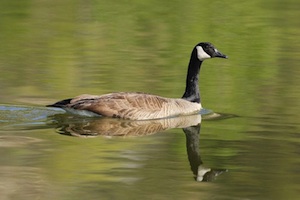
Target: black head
x,y
206,50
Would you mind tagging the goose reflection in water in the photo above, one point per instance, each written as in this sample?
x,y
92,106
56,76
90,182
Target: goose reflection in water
x,y
191,126
201,173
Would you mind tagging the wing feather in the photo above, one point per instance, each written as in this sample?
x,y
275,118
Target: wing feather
x,y
135,106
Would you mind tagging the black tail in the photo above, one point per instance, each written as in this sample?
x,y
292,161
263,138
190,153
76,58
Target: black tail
x,y
60,104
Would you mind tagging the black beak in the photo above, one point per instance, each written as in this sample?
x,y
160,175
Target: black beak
x,y
220,55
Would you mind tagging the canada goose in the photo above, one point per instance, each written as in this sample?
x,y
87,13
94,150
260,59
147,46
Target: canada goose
x,y
141,106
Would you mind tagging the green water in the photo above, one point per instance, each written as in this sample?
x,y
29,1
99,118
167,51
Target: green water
x,y
51,50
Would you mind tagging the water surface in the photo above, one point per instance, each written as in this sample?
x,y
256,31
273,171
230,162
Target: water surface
x,y
51,50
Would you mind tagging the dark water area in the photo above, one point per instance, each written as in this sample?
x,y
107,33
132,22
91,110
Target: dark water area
x,y
244,145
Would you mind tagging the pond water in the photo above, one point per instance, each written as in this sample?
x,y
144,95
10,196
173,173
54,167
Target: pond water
x,y
246,145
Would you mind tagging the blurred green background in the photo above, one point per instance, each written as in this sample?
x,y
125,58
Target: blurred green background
x,y
51,50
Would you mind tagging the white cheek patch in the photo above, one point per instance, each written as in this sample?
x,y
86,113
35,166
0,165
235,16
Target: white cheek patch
x,y
202,55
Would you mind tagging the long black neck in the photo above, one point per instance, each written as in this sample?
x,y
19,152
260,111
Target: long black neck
x,y
192,93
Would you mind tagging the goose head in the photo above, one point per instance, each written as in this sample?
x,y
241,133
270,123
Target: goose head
x,y
206,50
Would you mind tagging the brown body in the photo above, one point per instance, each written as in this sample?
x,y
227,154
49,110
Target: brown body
x,y
126,105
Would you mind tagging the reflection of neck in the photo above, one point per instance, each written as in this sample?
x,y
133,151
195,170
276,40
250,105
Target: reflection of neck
x,y
192,134
192,93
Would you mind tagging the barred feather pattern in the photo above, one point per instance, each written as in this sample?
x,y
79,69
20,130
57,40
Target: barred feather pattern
x,y
133,106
